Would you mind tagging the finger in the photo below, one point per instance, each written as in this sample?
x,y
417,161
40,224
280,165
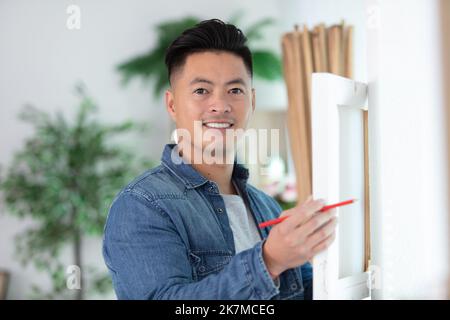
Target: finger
x,y
309,209
315,230
324,244
316,221
295,209
321,234
314,205
302,214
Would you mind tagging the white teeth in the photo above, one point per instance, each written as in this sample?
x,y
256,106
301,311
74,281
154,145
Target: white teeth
x,y
218,125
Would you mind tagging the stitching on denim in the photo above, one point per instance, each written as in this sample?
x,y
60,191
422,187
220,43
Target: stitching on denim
x,y
163,196
226,254
274,290
293,295
187,183
174,173
216,218
249,276
151,197
152,202
296,293
213,252
145,176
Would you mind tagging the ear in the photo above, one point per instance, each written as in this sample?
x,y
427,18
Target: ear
x,y
170,100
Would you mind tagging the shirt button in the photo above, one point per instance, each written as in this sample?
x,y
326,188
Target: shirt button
x,y
293,286
219,210
202,269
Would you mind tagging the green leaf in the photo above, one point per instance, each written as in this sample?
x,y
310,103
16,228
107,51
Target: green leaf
x,y
170,30
255,31
266,65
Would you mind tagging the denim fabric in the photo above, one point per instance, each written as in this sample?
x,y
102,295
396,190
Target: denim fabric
x,y
167,236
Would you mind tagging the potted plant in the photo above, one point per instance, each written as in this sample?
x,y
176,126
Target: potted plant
x,y
4,279
65,178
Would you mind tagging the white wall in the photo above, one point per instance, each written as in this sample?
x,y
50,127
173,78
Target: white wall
x,y
408,148
41,60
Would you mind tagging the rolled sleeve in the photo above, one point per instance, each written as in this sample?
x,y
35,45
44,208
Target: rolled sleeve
x,y
307,276
264,286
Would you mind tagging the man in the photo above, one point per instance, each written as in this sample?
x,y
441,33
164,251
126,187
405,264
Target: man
x,y
187,229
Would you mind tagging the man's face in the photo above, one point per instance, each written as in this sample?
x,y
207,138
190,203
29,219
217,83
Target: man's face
x,y
210,95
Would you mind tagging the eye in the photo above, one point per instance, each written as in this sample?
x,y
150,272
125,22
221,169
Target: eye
x,y
200,91
237,91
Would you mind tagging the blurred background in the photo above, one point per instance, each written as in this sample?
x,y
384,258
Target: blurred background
x,y
82,112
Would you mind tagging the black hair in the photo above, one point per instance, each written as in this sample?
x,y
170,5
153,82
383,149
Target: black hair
x,y
208,35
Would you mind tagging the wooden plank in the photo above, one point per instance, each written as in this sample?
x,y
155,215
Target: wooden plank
x,y
318,67
308,68
304,139
348,52
298,121
323,44
308,62
367,246
289,73
334,49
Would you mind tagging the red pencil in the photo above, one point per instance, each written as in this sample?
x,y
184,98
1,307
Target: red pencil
x,y
325,208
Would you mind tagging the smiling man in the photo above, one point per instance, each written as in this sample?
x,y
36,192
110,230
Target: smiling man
x,y
187,229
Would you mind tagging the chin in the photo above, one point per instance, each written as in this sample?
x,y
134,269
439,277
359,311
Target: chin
x,y
220,151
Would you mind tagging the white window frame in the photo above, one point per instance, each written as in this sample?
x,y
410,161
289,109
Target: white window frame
x,y
329,93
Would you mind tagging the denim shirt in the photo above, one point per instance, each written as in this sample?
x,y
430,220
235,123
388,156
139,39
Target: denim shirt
x,y
168,236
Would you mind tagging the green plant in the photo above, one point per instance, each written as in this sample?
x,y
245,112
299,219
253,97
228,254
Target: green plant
x,y
65,178
266,64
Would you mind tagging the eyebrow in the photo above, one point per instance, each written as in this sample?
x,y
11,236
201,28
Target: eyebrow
x,y
202,80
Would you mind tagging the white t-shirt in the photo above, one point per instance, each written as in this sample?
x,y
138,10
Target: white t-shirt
x,y
242,223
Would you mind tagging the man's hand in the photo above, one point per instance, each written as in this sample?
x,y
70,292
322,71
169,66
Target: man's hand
x,y
297,239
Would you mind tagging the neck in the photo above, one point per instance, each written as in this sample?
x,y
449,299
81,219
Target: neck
x,y
220,173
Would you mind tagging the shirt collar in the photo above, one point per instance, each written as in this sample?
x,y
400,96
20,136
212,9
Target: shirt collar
x,y
188,175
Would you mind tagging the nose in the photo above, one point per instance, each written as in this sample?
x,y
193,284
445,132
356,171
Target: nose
x,y
220,105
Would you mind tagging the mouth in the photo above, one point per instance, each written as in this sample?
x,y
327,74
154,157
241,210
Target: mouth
x,y
218,124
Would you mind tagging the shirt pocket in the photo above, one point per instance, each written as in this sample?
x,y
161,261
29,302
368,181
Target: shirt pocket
x,y
206,262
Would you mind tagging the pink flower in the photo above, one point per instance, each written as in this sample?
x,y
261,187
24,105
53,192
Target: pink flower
x,y
272,189
290,192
